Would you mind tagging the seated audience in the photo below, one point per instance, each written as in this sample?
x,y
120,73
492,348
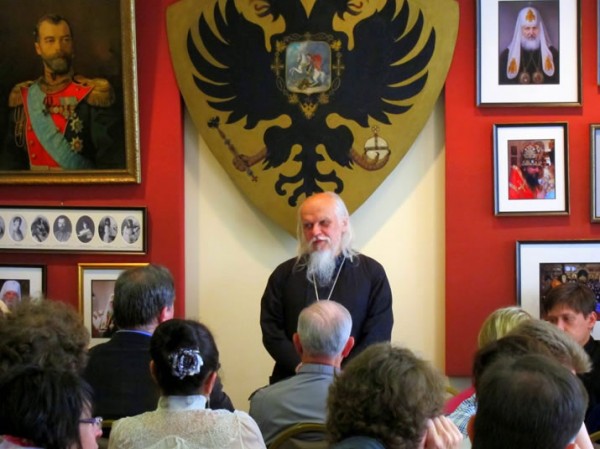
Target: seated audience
x,y
118,369
46,408
184,363
572,308
322,341
45,333
528,402
495,326
386,397
535,337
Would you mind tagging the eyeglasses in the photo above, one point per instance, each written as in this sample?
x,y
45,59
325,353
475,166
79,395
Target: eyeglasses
x,y
96,420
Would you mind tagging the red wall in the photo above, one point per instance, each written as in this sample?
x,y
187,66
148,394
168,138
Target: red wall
x,y
480,248
161,190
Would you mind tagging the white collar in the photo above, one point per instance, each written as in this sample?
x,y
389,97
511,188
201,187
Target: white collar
x,y
192,402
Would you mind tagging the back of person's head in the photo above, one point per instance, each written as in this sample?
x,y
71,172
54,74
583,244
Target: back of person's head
x,y
43,406
141,294
574,295
508,346
528,402
499,323
324,328
45,333
560,345
184,353
386,393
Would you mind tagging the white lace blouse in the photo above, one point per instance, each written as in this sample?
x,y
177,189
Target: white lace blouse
x,y
182,422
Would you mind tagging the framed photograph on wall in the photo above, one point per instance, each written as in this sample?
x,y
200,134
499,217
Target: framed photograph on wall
x,y
73,229
69,119
528,53
531,175
96,287
21,283
595,172
542,265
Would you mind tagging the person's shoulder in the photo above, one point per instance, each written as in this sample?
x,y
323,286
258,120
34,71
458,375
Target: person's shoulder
x,y
363,259
98,348
269,392
101,94
15,98
246,421
285,267
124,426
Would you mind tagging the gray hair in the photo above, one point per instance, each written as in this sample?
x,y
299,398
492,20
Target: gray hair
x,y
324,328
341,212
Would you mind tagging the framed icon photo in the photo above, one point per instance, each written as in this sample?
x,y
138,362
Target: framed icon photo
x,y
96,287
531,175
21,283
528,53
76,120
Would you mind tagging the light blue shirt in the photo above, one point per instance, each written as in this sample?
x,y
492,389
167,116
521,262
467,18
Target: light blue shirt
x,y
463,413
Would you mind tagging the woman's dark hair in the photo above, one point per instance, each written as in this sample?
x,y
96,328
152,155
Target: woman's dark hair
x,y
43,406
184,354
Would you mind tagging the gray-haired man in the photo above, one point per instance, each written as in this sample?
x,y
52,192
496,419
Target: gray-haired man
x,y
322,341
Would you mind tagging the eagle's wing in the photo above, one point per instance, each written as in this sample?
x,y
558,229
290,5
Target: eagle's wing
x,y
388,64
242,81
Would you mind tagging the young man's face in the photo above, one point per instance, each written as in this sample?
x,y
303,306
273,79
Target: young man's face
x,y
573,323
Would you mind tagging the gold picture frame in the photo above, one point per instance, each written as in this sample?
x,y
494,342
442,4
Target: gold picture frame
x,y
104,137
96,286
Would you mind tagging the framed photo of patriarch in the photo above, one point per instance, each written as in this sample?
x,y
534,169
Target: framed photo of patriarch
x,y
20,283
528,53
68,92
531,175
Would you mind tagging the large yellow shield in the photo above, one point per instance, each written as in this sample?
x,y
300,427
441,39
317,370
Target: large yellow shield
x,y
295,97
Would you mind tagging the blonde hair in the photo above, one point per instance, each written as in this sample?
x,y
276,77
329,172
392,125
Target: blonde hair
x,y
499,323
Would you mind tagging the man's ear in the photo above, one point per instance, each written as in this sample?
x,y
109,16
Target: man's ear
x,y
348,346
297,343
166,313
591,320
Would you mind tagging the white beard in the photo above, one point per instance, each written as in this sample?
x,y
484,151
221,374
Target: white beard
x,y
531,44
320,266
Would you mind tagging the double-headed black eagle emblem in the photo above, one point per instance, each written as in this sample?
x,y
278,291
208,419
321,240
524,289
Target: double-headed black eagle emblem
x,y
310,71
